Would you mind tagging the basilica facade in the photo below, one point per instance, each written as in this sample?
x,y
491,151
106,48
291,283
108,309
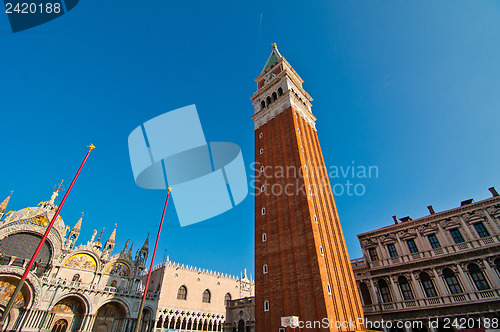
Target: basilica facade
x,y
70,288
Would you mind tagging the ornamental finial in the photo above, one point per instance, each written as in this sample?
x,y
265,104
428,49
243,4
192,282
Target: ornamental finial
x,y
274,45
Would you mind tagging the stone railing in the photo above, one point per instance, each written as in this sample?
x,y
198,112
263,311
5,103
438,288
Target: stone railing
x,y
428,254
438,301
96,288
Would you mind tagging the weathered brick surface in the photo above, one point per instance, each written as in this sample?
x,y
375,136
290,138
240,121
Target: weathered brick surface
x,y
296,284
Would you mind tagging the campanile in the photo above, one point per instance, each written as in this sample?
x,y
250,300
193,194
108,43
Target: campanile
x,y
302,267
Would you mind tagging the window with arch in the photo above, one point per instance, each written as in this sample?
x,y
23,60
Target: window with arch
x,y
365,294
264,237
280,91
60,326
227,299
497,264
321,251
305,169
159,324
452,281
405,288
206,296
262,188
76,278
329,289
301,148
263,211
481,230
262,168
261,135
23,245
262,104
182,293
478,277
265,269
261,151
385,294
315,219
266,305
275,96
268,101
427,285
298,130
310,192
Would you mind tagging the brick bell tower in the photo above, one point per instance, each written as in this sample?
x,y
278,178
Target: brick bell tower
x,y
302,267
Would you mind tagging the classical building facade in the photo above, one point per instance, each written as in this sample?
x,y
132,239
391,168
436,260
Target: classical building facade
x,y
301,260
84,288
194,299
438,268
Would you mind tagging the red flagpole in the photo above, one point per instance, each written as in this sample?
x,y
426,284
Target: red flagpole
x,y
42,241
139,316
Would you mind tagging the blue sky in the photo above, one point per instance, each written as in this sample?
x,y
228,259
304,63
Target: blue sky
x,y
412,88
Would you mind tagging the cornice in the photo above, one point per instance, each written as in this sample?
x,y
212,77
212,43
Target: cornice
x,y
432,218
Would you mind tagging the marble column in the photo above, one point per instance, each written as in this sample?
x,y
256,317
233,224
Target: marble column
x,y
492,275
469,288
416,286
395,290
442,288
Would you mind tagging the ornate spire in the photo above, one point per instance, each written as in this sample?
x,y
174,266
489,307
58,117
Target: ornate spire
x,y
145,246
273,58
3,205
78,225
112,236
110,243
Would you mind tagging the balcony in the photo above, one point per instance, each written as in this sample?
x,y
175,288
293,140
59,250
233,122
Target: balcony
x,y
428,254
436,302
80,286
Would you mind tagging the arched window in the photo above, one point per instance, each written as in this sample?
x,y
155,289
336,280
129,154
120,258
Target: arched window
x,y
429,289
266,305
385,294
264,237
275,96
265,269
365,294
227,299
262,168
160,322
452,281
478,277
206,296
280,91
321,251
329,289
497,264
405,288
263,211
268,100
262,104
315,219
76,278
182,293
